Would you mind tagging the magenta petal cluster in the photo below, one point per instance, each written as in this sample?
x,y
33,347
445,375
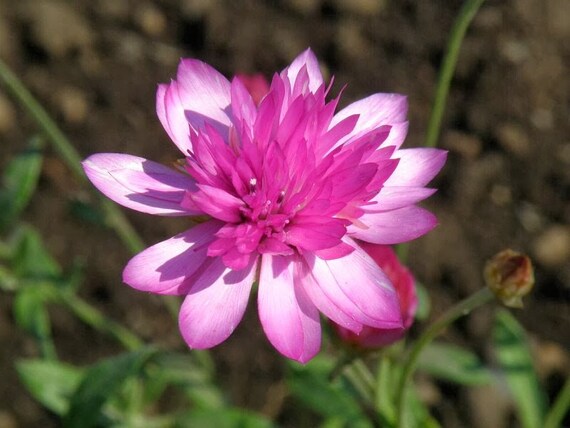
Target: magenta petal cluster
x,y
288,188
404,283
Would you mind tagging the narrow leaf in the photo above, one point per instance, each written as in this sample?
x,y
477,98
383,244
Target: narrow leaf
x,y
50,382
514,357
31,315
30,258
99,384
310,384
184,372
224,418
19,182
454,364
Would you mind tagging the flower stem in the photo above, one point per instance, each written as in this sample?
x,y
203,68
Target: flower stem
x,y
384,400
114,217
468,11
462,308
559,408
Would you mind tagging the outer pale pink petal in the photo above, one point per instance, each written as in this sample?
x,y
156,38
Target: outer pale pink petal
x,y
289,319
163,267
397,135
204,90
394,197
309,59
215,304
417,167
139,184
374,111
323,303
200,94
161,108
394,227
175,114
359,288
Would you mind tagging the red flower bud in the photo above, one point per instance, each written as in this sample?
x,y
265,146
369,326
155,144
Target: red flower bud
x,y
510,276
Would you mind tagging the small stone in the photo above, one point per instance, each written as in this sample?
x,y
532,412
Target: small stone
x,y
513,139
557,13
514,50
468,146
552,247
350,39
305,7
58,27
551,358
131,47
491,396
150,20
529,217
542,119
73,105
196,9
7,420
488,18
361,7
564,152
7,114
118,9
7,39
501,195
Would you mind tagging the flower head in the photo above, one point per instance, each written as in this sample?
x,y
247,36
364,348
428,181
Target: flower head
x,y
404,283
510,276
288,185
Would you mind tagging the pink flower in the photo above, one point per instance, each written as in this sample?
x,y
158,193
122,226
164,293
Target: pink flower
x,y
288,186
403,281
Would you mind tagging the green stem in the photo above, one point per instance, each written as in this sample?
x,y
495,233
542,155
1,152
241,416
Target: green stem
x,y
560,407
460,26
114,217
462,308
93,317
360,384
383,395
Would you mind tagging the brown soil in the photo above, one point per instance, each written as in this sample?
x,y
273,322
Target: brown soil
x,y
95,65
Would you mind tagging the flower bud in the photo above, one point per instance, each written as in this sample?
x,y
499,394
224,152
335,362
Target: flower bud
x,y
510,276
404,283
256,84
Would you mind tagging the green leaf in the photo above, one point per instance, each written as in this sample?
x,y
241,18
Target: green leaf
x,y
87,212
417,414
184,372
19,182
513,355
99,384
31,315
50,382
332,399
8,282
455,364
222,418
31,259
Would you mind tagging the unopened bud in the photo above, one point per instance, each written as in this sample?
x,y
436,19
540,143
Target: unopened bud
x,y
510,276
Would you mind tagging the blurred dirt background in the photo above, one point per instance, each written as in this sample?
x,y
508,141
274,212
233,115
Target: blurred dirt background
x,y
95,65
